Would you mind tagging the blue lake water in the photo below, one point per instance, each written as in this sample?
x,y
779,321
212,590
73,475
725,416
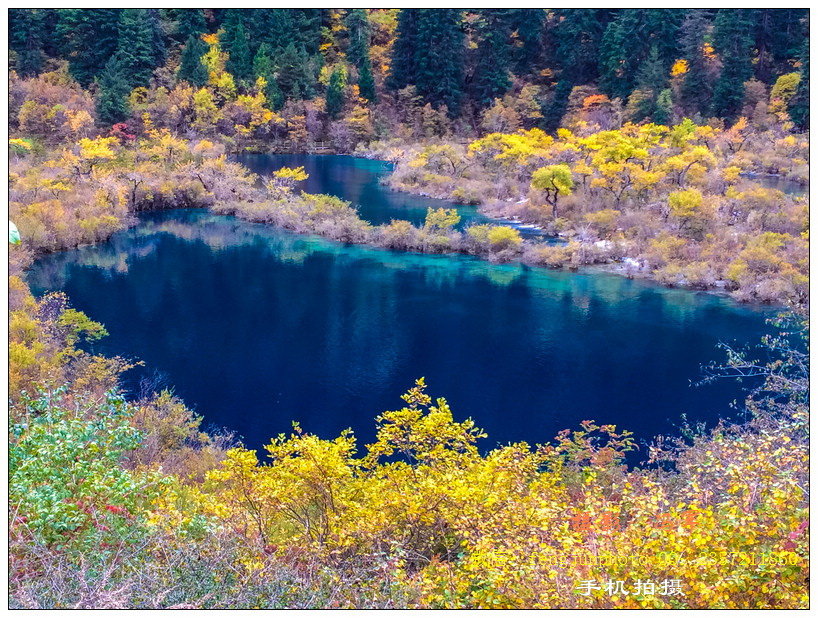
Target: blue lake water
x,y
358,180
256,327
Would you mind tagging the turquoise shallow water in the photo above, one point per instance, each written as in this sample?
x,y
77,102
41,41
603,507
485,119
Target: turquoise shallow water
x,y
256,327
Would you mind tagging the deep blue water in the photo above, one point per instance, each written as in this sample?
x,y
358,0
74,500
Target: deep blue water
x,y
256,327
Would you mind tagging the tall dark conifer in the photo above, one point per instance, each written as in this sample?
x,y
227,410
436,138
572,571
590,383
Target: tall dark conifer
x,y
191,22
263,67
491,67
191,68
799,104
627,42
402,69
112,91
90,37
26,38
696,88
234,42
439,58
357,24
137,54
556,105
732,40
578,35
527,28
335,94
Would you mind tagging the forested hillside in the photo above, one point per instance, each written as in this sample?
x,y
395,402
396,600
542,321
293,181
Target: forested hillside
x,y
348,75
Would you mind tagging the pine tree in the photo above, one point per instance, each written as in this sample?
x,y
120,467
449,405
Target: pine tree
x,y
664,107
234,42
90,37
491,69
652,74
366,83
578,35
527,26
439,58
357,24
137,55
191,22
158,44
113,90
777,36
295,77
335,93
263,67
556,106
402,70
799,104
627,42
733,41
696,87
26,37
191,68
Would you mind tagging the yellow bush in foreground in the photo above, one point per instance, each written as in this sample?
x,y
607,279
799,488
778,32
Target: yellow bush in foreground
x,y
532,527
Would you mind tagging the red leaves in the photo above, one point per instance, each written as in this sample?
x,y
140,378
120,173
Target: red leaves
x,y
118,510
120,130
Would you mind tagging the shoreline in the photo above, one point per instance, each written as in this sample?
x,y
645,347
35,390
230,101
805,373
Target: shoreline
x,y
614,267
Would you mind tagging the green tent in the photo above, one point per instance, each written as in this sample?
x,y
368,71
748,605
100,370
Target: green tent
x,y
14,234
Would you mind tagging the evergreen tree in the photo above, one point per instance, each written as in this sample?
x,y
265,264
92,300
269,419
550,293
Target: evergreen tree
x,y
366,83
335,93
90,37
234,42
696,87
556,105
799,104
26,36
158,44
137,54
732,39
263,67
777,36
402,68
295,77
627,42
439,58
652,73
578,35
191,22
491,69
664,107
527,25
191,68
357,24
112,91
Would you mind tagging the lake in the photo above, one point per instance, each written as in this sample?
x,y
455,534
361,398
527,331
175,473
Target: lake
x,y
256,327
359,181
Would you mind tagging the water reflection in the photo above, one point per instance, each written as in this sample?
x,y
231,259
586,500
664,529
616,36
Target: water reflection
x,y
256,327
